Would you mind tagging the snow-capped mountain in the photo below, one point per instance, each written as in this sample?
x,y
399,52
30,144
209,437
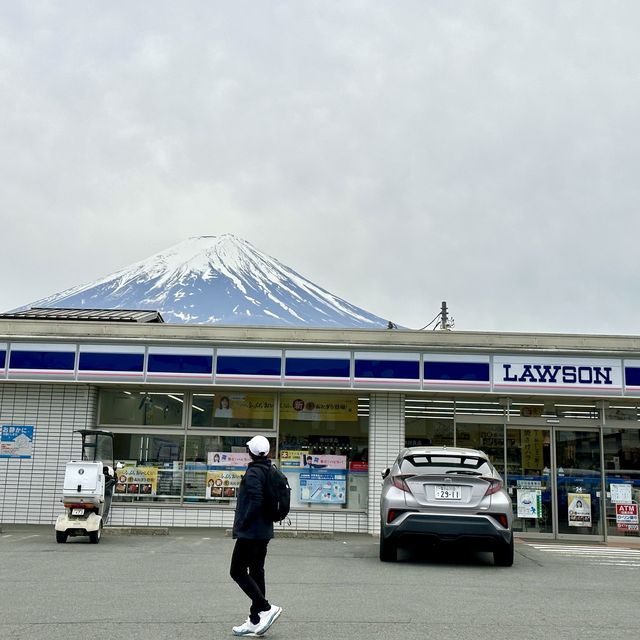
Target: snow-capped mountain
x,y
216,280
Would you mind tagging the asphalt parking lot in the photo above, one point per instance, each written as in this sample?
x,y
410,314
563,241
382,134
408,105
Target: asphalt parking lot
x,y
177,586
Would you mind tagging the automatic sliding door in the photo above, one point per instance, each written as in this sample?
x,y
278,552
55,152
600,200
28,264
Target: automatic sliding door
x,y
529,479
578,482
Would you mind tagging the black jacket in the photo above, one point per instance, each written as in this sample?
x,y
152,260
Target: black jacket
x,y
250,521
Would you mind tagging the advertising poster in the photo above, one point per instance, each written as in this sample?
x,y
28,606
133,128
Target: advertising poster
x,y
627,517
579,509
529,503
311,461
531,449
142,481
620,493
319,408
291,458
323,487
16,441
244,406
226,459
223,484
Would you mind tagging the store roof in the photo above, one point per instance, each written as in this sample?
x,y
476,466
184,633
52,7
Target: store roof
x,y
96,315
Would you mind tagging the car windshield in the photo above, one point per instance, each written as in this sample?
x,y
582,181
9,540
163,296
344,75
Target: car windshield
x,y
443,464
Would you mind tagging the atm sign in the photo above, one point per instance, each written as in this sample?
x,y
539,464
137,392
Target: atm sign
x,y
627,517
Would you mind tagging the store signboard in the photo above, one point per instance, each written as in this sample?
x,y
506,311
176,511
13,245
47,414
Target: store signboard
x,y
557,374
16,441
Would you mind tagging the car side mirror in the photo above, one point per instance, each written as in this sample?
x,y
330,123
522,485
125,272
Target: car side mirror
x,y
385,473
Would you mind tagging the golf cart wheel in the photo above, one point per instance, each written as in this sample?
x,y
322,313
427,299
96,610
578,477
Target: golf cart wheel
x,y
388,550
61,536
503,556
94,536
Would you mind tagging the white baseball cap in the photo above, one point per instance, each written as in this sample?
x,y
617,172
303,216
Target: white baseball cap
x,y
258,445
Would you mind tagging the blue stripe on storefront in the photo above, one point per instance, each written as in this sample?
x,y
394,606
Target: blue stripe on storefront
x,y
387,369
248,366
177,363
3,359
632,376
60,360
472,371
111,362
317,367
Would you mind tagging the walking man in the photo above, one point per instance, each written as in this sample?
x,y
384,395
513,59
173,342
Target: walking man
x,y
252,530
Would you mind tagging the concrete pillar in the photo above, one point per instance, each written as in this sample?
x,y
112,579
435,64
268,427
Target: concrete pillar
x,y
386,439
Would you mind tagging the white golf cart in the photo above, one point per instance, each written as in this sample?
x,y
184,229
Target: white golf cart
x,y
88,488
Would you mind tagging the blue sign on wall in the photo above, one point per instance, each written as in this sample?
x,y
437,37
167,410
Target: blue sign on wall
x,y
16,441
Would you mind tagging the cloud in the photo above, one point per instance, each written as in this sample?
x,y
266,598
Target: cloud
x,y
397,154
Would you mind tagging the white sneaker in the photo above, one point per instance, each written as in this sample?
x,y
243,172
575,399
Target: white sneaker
x,y
247,628
267,618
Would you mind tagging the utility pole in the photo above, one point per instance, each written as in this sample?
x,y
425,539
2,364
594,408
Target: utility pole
x,y
444,323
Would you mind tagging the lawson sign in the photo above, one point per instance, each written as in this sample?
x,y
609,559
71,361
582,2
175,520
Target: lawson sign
x,y
603,377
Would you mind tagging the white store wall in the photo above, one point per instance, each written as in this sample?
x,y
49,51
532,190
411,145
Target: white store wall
x,y
30,489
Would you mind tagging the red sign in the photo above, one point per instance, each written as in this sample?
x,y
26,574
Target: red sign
x,y
627,517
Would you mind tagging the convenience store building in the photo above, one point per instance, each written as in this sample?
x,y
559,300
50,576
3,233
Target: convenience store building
x,y
558,414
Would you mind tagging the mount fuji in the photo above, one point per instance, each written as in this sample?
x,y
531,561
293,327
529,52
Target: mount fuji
x,y
216,280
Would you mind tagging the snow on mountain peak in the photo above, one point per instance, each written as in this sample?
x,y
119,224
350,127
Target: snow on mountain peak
x,y
216,280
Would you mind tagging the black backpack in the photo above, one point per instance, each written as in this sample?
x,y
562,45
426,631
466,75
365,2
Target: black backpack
x,y
277,494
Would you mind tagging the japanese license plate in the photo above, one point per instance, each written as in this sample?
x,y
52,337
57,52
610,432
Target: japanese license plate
x,y
77,512
451,492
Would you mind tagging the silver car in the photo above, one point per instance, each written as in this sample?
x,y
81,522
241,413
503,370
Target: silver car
x,y
445,494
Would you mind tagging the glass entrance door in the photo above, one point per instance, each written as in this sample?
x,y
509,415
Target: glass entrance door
x,y
529,479
578,482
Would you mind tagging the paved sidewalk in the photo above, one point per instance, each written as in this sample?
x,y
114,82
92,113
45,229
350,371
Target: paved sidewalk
x,y
140,587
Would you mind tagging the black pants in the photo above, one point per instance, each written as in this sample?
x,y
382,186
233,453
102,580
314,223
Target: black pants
x,y
247,569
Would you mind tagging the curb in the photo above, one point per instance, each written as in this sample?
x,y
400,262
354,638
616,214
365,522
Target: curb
x,y
136,531
303,535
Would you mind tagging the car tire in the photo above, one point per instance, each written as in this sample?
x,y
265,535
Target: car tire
x,y
388,550
94,536
61,536
503,555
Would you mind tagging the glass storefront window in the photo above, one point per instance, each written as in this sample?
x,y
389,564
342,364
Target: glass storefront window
x,y
214,467
486,437
324,450
621,412
428,422
233,410
622,475
152,467
139,408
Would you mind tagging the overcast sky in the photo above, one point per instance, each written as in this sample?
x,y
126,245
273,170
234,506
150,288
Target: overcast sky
x,y
396,153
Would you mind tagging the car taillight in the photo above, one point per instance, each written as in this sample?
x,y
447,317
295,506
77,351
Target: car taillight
x,y
494,486
392,515
399,482
501,518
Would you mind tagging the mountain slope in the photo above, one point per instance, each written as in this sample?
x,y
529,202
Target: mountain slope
x,y
216,280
